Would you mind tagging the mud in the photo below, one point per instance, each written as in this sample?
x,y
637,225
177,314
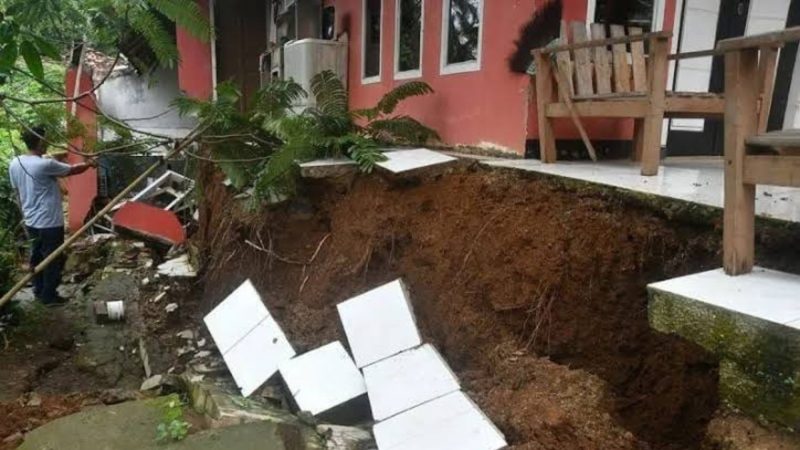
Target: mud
x,y
504,268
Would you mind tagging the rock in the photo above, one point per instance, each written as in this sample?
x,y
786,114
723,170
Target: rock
x,y
202,354
346,438
201,343
178,267
13,438
172,307
34,400
152,383
186,334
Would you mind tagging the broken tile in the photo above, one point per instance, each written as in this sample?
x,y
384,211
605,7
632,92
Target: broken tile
x,y
407,160
449,422
255,358
236,316
379,323
323,379
407,380
178,267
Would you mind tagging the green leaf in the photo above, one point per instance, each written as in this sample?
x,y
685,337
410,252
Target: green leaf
x,y
8,56
32,59
47,49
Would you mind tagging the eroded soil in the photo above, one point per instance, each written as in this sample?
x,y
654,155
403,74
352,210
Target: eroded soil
x,y
532,289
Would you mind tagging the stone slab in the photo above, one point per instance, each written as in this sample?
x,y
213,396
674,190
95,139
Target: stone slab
x,y
772,393
379,323
407,380
323,379
230,321
328,168
400,161
452,422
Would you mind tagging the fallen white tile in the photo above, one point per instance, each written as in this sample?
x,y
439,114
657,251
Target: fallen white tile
x,y
379,323
236,316
178,267
323,379
255,359
452,422
405,160
406,380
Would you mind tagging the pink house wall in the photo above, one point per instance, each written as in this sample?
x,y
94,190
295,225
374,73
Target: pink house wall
x,y
195,76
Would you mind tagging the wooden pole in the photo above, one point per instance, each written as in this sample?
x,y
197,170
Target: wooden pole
x,y
75,236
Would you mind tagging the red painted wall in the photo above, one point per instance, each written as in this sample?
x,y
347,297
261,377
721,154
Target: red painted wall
x,y
493,106
195,76
82,188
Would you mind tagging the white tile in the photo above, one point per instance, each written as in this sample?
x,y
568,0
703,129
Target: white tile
x,y
323,379
255,358
696,180
404,160
236,316
452,422
406,380
379,323
763,293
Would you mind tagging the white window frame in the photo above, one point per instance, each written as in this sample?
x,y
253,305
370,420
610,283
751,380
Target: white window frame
x,y
376,78
658,14
462,67
408,74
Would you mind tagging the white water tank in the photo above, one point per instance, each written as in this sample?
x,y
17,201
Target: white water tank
x,y
307,57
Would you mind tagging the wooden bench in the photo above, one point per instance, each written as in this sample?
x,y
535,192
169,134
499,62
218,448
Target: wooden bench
x,y
752,157
580,78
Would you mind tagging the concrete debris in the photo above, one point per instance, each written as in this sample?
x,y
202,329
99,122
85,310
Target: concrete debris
x,y
153,382
202,354
449,422
178,267
184,350
379,323
339,437
158,297
201,342
34,400
250,340
186,334
171,307
324,381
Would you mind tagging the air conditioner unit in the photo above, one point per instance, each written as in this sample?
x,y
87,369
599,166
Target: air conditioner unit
x,y
307,57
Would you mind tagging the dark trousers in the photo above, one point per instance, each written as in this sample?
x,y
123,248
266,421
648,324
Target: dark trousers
x,y
44,242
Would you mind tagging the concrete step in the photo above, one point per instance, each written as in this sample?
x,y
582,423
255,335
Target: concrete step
x,y
752,322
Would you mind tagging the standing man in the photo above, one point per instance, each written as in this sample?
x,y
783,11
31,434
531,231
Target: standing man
x,y
35,179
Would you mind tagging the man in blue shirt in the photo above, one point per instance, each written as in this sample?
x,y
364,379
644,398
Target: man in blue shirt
x,y
35,179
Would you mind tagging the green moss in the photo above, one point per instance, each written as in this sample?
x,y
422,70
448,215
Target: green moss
x,y
761,395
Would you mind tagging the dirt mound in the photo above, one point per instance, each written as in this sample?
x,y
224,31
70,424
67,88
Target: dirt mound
x,y
19,417
501,268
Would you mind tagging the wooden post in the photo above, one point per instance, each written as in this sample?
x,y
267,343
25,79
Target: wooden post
x,y
768,60
742,88
654,121
638,139
544,96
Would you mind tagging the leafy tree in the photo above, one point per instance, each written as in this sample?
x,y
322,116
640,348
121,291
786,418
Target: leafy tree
x,y
264,144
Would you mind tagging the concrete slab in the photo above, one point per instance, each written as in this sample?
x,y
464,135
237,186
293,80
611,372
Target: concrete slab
x,y
255,358
323,379
236,316
695,180
452,422
764,294
178,267
399,161
379,323
327,168
406,380
750,323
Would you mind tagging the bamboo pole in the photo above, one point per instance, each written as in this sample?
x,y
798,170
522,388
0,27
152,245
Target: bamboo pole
x,y
121,196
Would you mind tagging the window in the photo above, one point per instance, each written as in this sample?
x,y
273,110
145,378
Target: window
x,y
329,23
408,39
636,13
371,55
462,33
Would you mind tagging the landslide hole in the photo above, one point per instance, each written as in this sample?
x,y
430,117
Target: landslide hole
x,y
505,271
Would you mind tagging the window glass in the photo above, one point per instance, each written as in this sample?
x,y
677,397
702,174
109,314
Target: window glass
x,y
409,37
329,23
636,13
372,38
463,36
